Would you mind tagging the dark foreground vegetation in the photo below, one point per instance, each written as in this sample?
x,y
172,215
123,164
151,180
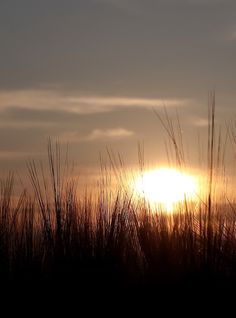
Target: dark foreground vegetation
x,y
55,238
118,246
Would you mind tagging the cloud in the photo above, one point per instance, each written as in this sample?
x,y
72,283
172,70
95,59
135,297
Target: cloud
x,y
97,135
76,103
116,133
201,122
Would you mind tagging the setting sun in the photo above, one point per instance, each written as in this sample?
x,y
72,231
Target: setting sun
x,y
166,187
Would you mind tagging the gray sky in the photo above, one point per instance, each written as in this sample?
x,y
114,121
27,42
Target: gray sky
x,y
90,71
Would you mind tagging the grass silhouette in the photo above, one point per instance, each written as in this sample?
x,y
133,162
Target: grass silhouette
x,y
115,243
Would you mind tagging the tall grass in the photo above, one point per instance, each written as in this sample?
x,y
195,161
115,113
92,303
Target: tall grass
x,y
56,234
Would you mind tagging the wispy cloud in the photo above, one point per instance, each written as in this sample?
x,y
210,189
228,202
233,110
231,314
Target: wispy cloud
x,y
81,104
97,135
200,122
116,133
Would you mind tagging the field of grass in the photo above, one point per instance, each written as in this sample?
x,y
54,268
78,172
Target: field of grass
x,y
114,242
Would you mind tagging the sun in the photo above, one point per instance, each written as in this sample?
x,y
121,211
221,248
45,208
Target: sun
x,y
166,187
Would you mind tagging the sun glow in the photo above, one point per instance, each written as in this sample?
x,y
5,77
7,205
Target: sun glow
x,y
166,188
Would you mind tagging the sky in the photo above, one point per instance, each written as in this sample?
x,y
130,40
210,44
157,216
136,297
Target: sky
x,y
90,73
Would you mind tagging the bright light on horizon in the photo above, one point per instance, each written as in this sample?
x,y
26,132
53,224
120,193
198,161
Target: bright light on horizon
x,y
165,187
